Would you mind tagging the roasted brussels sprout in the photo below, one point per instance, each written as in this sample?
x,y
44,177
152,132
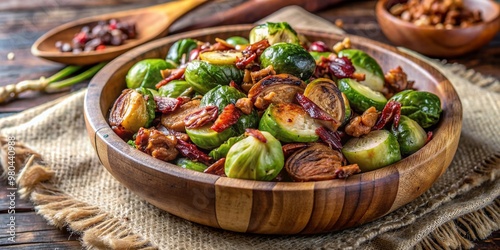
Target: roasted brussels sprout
x,y
223,95
175,89
222,150
146,73
206,138
129,113
237,40
254,159
289,58
275,89
324,93
189,164
365,64
410,135
221,56
181,48
289,122
274,33
360,96
421,106
203,76
377,149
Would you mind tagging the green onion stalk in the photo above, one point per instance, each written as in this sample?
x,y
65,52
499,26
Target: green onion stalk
x,y
52,84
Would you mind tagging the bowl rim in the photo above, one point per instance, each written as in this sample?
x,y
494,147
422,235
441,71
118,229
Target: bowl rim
x,y
382,11
100,127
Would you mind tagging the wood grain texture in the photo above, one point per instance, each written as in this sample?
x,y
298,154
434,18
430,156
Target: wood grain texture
x,y
275,207
441,42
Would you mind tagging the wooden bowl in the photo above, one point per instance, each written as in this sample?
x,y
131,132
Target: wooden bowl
x,y
441,42
272,207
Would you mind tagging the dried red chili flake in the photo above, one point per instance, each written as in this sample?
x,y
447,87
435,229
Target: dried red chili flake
x,y
217,168
192,152
333,139
256,134
429,137
201,116
341,67
227,118
167,104
312,109
391,112
173,74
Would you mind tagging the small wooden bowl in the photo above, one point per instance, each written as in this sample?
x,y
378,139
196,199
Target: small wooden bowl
x,y
273,207
441,42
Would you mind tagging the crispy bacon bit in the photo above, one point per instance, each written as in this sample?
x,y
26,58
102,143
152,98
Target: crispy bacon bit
x,y
289,149
234,85
201,116
255,133
223,42
391,112
312,109
362,125
252,52
156,144
429,137
170,75
122,132
333,139
217,168
192,152
227,118
245,105
396,80
166,104
346,171
341,67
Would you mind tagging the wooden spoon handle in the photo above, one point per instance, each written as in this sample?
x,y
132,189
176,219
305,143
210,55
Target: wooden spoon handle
x,y
175,9
253,10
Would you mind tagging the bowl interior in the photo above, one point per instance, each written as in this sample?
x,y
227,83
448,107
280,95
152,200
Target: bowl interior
x,y
364,196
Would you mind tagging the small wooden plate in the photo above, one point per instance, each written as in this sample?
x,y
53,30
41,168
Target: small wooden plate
x,y
273,207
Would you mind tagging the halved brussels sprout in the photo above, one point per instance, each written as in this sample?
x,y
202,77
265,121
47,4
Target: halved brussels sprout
x,y
421,106
377,149
175,120
274,33
275,89
410,135
203,76
221,56
181,48
253,159
289,122
348,110
237,40
325,94
189,164
367,65
129,113
360,96
289,58
175,89
146,73
223,95
222,150
206,138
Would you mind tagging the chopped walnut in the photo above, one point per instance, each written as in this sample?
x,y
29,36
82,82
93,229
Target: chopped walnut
x,y
396,80
362,125
345,44
156,144
258,75
245,105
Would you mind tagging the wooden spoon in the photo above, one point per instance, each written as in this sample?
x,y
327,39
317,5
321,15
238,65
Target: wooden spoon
x,y
151,23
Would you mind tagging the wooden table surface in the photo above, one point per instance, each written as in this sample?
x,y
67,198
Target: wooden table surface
x,y
22,22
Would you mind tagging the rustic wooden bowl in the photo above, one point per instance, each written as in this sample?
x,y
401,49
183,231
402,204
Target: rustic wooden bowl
x,y
273,207
441,42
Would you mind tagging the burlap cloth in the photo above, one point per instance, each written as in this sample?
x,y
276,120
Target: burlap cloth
x,y
71,188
